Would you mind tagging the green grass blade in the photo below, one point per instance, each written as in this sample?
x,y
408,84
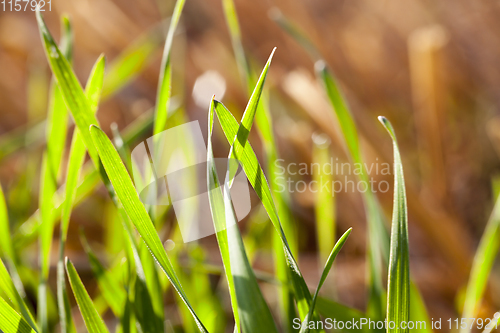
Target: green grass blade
x,y
71,90
247,300
218,217
11,321
128,197
165,80
234,30
93,321
398,287
7,286
255,175
328,265
378,242
482,265
76,158
264,126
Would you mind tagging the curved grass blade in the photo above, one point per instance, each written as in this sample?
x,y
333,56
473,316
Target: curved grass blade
x,y
93,321
165,80
7,286
128,197
71,90
328,265
11,321
398,287
482,265
234,30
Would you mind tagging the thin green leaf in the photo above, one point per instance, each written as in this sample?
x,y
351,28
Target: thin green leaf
x,y
164,83
128,197
482,265
93,321
328,265
234,30
398,286
76,158
11,321
71,90
7,286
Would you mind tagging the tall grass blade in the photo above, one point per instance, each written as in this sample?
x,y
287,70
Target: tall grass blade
x,y
165,80
218,216
76,158
328,265
247,300
248,160
93,321
56,138
398,287
132,205
378,251
11,321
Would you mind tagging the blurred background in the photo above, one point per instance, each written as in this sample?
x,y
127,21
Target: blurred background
x,y
430,67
